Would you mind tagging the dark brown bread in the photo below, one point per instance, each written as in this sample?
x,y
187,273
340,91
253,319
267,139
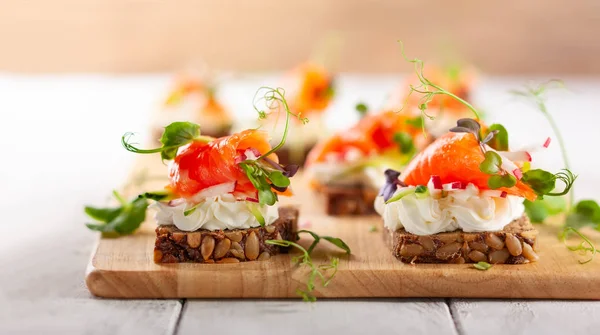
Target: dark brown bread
x,y
224,246
348,200
291,155
516,244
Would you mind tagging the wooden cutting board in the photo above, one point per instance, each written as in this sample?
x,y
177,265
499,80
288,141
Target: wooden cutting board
x,y
124,267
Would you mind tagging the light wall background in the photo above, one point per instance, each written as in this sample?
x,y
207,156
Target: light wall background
x,y
124,36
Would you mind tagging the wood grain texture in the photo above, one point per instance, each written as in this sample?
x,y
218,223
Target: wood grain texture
x,y
537,36
525,317
384,316
123,268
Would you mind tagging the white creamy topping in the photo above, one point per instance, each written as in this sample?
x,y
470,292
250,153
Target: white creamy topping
x,y
468,209
214,213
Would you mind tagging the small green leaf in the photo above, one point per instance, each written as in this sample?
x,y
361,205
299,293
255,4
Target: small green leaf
x,y
491,164
416,122
129,219
500,140
540,209
498,181
278,179
362,109
542,182
267,197
338,243
483,266
176,135
404,142
373,228
156,196
103,214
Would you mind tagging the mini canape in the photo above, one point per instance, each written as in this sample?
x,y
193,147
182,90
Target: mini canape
x,y
347,168
461,200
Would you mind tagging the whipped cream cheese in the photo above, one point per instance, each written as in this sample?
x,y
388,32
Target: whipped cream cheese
x,y
214,213
468,209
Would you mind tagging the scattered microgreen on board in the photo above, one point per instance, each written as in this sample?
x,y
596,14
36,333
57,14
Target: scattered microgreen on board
x,y
483,266
316,272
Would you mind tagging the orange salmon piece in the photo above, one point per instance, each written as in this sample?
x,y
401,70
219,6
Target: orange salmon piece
x,y
373,133
200,165
456,157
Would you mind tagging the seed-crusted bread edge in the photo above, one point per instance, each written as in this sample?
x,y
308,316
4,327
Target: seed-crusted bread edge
x,y
224,246
515,244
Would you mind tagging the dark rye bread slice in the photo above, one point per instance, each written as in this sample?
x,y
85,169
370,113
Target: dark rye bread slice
x,y
515,244
347,200
224,246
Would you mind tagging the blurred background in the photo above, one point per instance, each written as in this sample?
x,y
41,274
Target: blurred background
x,y
128,36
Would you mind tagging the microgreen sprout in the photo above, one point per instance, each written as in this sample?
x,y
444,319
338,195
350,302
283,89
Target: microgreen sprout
x,y
316,272
266,175
428,89
483,266
584,247
176,135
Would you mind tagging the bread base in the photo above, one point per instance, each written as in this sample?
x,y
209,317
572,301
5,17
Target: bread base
x,y
224,246
499,247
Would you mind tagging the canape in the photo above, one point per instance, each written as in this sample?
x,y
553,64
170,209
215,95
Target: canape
x,y
221,203
346,170
310,90
194,98
461,200
443,109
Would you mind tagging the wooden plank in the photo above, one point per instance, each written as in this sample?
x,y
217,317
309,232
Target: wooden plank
x,y
525,317
42,291
426,316
124,267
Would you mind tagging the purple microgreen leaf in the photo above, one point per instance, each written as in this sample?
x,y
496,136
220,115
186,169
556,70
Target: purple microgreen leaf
x,y
391,175
280,189
290,170
388,190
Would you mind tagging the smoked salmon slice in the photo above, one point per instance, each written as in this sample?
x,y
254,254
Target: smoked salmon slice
x,y
456,157
372,134
199,165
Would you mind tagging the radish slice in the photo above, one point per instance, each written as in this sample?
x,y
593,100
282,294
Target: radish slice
x,y
214,191
435,182
516,156
518,174
494,193
252,200
457,185
547,143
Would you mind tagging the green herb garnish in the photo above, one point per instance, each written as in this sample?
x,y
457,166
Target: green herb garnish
x,y
584,212
541,208
428,89
584,247
122,220
404,141
372,228
265,174
362,109
499,140
420,192
176,135
416,122
305,259
483,266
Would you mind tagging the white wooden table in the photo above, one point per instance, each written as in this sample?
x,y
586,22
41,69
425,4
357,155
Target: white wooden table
x,y
61,150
